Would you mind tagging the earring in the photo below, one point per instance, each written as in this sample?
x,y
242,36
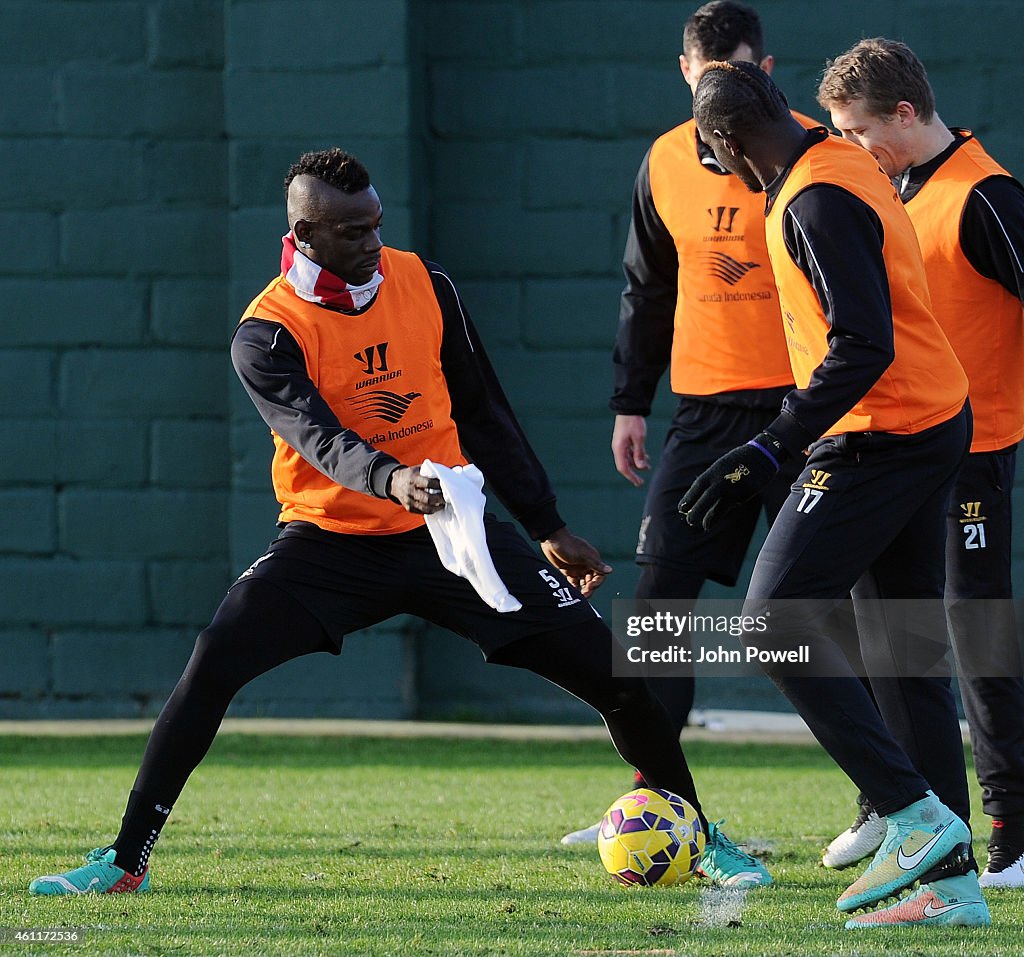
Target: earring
x,y
304,245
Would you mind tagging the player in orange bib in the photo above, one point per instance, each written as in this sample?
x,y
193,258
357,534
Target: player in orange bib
x,y
364,362
880,405
968,212
699,300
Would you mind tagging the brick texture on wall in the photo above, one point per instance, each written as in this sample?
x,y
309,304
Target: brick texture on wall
x,y
114,191
142,189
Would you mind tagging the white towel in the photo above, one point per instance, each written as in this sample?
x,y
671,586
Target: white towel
x,y
458,533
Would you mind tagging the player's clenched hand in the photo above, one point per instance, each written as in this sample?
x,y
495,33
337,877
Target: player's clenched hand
x,y
629,447
577,559
736,477
415,492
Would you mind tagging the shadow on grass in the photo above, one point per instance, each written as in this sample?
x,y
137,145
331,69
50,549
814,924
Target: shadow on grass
x,y
289,752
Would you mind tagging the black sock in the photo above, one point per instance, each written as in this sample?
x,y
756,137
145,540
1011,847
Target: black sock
x,y
140,827
957,862
1007,831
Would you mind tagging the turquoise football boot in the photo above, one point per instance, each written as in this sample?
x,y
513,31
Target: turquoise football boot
x,y
99,875
726,865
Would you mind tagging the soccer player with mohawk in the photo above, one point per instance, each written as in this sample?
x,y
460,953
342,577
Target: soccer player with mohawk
x,y
363,361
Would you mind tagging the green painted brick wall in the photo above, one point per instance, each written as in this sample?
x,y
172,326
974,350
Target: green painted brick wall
x,y
115,484
140,175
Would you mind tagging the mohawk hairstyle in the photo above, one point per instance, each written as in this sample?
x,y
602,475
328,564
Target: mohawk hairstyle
x,y
737,97
880,72
715,30
334,167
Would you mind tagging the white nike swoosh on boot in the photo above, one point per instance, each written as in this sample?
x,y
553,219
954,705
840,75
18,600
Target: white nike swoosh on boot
x,y
932,911
909,862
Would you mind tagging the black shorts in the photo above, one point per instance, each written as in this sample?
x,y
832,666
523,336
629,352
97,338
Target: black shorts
x,y
871,506
979,527
349,582
701,432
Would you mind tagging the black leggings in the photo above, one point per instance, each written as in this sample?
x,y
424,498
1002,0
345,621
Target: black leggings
x,y
257,627
676,693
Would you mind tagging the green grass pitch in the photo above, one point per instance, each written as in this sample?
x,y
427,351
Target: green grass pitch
x,y
407,847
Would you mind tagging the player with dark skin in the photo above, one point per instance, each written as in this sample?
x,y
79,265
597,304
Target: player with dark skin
x,y
352,550
880,409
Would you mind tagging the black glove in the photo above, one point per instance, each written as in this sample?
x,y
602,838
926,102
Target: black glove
x,y
736,477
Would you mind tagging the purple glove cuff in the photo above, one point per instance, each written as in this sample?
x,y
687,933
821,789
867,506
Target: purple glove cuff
x,y
771,458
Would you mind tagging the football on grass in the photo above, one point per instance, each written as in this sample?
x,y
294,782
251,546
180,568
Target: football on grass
x,y
651,837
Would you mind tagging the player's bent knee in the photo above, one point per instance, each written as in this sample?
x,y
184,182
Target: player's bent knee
x,y
214,663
